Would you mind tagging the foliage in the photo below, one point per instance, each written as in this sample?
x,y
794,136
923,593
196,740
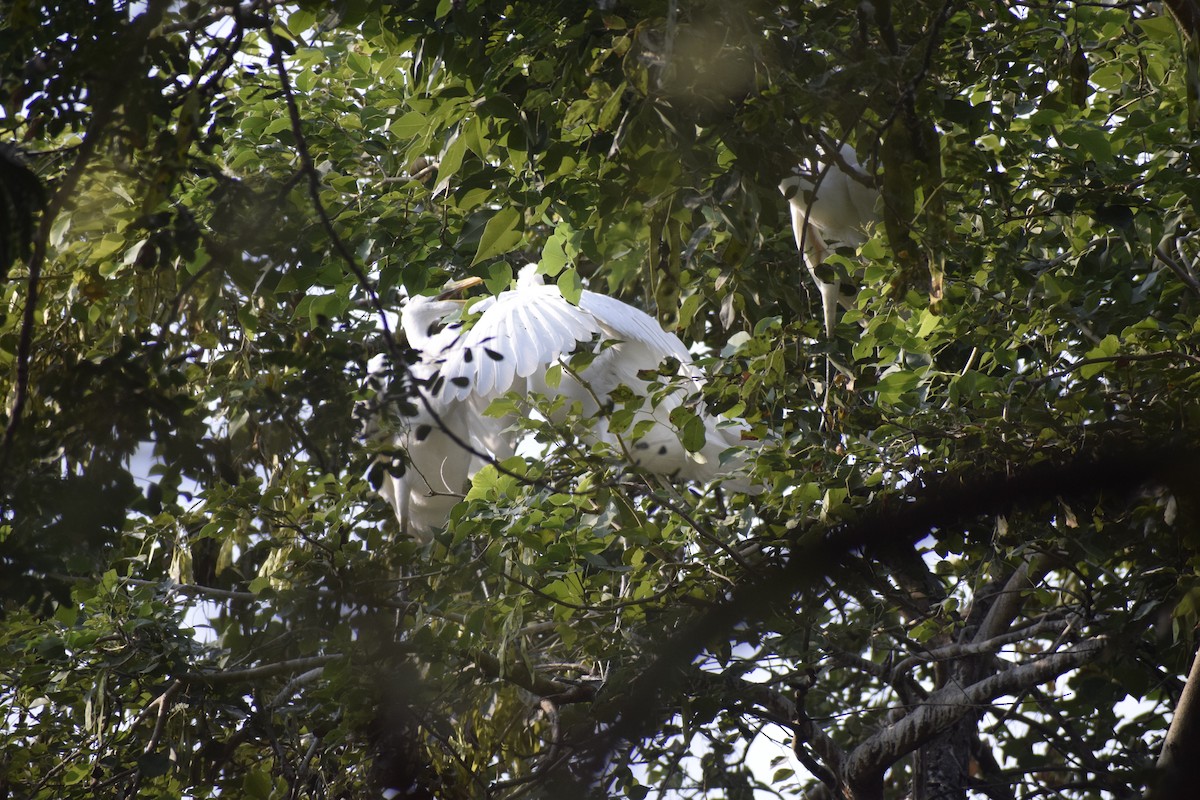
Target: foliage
x,y
202,596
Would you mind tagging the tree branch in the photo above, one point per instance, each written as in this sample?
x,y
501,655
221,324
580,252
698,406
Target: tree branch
x,y
951,703
1187,14
261,671
1179,269
1007,603
1176,779
974,648
560,692
161,705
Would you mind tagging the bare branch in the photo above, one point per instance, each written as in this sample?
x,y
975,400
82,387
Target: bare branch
x,y
261,671
951,703
295,683
162,706
965,649
1008,600
1181,747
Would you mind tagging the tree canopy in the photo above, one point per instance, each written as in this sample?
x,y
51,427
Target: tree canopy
x,y
971,570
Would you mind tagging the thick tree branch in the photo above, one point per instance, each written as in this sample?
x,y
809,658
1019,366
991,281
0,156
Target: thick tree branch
x,y
948,705
1181,747
974,648
1008,601
1187,14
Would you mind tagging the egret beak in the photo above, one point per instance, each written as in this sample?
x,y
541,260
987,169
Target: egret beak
x,y
455,289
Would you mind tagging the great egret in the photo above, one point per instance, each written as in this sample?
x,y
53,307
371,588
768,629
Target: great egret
x,y
516,337
830,209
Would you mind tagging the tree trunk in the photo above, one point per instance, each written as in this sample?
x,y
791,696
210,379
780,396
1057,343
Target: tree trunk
x,y
941,767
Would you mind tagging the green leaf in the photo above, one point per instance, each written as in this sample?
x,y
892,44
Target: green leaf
x,y
500,277
277,126
611,107
1095,141
501,234
1160,26
893,386
257,784
131,255
300,20
554,257
927,322
248,319
692,433
570,285
408,126
259,585
75,773
360,63
451,161
110,244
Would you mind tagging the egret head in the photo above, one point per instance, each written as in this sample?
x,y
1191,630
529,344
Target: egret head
x,y
422,317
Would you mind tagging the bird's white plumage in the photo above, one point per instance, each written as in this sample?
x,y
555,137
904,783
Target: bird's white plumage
x,y
515,337
830,209
528,328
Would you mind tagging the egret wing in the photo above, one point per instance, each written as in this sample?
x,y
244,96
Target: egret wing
x,y
623,321
521,332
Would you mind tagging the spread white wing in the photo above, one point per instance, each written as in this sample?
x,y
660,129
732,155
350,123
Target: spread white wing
x,y
514,339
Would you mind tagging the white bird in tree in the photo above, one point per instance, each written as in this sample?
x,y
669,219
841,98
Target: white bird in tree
x,y
516,338
830,209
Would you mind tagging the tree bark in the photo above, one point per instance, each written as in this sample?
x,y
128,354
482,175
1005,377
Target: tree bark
x,y
1187,14
1176,779
941,767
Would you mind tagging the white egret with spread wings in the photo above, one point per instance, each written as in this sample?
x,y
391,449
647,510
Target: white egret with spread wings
x,y
514,341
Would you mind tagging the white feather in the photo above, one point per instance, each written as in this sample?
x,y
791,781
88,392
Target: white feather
x,y
830,209
512,340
